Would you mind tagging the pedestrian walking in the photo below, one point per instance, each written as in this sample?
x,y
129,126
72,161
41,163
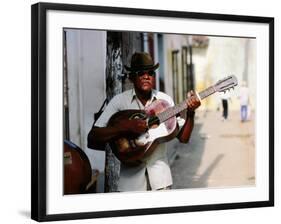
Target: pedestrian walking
x,y
225,97
244,102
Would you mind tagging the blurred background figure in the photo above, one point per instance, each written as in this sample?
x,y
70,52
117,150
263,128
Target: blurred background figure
x,y
225,97
244,102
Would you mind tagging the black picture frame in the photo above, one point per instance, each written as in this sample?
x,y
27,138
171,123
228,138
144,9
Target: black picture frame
x,y
39,110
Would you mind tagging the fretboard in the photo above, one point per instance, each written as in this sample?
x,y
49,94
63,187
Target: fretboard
x,y
173,111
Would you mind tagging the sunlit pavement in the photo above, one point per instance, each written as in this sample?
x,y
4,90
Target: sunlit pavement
x,y
219,154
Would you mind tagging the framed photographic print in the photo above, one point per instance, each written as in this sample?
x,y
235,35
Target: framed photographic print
x,y
138,111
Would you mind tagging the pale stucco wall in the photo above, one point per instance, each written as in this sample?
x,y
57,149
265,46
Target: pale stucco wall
x,y
86,62
222,57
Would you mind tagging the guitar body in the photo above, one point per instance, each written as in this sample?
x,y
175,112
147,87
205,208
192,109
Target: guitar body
x,y
131,149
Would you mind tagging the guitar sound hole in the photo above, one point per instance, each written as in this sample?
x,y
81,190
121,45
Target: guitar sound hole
x,y
153,122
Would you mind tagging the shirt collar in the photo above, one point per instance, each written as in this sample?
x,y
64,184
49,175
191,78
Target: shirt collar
x,y
153,95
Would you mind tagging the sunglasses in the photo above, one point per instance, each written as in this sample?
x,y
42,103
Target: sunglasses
x,y
141,73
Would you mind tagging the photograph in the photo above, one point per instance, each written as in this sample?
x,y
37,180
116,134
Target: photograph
x,y
139,112
117,87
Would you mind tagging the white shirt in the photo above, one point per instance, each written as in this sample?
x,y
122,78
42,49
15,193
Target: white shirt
x,y
157,167
244,96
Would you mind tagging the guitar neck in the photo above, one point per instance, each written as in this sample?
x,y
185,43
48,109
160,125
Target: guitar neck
x,y
173,111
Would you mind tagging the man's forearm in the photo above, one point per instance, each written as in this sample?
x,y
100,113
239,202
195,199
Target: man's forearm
x,y
99,136
186,130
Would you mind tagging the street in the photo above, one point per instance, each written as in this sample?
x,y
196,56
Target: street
x,y
219,154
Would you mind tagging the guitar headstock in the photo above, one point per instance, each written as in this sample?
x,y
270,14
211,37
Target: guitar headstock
x,y
226,84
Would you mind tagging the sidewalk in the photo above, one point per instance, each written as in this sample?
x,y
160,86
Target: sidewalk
x,y
219,154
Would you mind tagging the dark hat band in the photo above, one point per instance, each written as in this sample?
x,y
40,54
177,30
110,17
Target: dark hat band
x,y
142,67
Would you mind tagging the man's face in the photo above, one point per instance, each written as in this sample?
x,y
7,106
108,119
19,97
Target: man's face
x,y
144,81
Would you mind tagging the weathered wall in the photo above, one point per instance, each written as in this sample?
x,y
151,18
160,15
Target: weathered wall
x,y
86,71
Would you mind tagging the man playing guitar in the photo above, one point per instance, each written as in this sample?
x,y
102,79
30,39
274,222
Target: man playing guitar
x,y
153,173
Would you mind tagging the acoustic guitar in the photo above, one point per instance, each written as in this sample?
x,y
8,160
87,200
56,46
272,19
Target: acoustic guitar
x,y
162,125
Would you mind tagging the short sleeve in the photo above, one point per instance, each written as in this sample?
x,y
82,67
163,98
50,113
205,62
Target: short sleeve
x,y
112,107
